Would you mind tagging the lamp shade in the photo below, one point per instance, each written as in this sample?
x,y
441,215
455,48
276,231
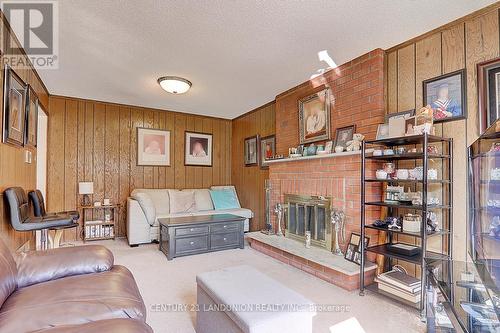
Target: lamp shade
x,y
86,187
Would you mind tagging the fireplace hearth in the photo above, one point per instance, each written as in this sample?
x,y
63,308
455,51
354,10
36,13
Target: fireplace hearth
x,y
308,213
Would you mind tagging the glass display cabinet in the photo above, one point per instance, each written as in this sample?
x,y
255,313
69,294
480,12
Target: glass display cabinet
x,y
484,227
464,296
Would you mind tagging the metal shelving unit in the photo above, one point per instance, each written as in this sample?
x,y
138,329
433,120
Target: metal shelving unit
x,y
396,209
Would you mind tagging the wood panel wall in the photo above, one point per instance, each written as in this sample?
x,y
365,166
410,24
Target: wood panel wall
x,y
13,170
460,44
96,141
249,181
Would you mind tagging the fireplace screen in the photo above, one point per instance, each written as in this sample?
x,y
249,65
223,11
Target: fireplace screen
x,y
308,213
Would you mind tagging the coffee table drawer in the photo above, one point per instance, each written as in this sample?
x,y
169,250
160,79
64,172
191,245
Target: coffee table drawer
x,y
223,240
225,227
191,231
191,244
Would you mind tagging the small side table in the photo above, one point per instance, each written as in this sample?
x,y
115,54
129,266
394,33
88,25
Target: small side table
x,y
100,229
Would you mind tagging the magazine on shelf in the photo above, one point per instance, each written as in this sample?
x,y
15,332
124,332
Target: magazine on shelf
x,y
401,280
411,297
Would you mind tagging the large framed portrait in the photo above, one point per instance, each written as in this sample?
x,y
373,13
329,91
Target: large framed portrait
x,y
31,118
446,95
251,150
343,135
314,117
488,82
199,150
267,150
153,147
14,108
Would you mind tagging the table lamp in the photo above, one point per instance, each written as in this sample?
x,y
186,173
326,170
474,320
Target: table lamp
x,y
86,188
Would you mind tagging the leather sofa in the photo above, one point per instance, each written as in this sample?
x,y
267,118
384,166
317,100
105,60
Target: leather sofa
x,y
73,289
143,215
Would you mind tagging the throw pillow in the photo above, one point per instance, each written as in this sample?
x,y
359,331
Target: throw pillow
x,y
224,199
181,201
147,206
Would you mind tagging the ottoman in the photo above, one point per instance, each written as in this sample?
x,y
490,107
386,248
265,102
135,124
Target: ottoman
x,y
242,299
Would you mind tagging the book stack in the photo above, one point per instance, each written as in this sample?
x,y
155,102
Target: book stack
x,y
96,229
400,284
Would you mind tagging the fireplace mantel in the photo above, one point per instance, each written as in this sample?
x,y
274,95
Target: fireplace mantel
x,y
315,157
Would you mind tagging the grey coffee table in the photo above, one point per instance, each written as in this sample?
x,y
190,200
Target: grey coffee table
x,y
183,236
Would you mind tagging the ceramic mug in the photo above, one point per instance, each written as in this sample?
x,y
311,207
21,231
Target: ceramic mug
x,y
388,152
432,174
402,174
381,174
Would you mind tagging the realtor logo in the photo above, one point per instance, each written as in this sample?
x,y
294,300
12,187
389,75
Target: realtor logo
x,y
35,24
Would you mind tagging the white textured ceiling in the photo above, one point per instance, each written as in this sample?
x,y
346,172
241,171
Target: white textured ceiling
x,y
239,54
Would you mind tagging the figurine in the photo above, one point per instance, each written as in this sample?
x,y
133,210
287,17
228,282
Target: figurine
x,y
393,223
355,143
432,224
495,227
338,220
278,210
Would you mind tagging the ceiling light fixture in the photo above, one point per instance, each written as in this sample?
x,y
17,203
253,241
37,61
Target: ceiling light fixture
x,y
174,84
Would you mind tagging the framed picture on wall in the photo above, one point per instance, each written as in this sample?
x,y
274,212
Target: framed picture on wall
x,y
14,108
251,150
267,150
153,147
31,126
488,82
446,95
199,150
314,117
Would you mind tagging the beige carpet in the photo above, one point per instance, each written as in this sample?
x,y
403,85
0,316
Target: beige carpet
x,y
172,284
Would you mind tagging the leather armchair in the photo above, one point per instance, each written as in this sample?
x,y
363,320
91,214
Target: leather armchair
x,y
21,219
38,202
66,290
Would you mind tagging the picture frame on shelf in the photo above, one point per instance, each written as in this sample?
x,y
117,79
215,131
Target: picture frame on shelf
x,y
14,108
446,95
153,147
382,131
198,149
343,135
396,122
251,153
409,126
488,82
31,123
314,117
402,114
267,150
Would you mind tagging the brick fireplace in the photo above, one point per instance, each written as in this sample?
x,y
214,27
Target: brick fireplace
x,y
357,97
357,90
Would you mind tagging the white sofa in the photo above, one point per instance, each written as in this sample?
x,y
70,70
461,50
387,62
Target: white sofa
x,y
143,215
